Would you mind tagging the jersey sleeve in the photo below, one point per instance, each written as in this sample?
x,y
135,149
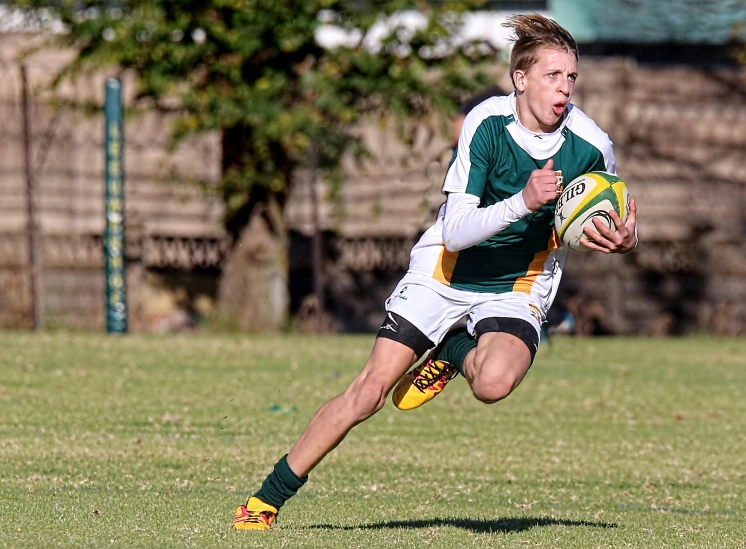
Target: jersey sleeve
x,y
607,162
466,224
474,156
585,128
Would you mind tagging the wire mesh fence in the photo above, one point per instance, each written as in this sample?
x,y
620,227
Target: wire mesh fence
x,y
680,152
52,212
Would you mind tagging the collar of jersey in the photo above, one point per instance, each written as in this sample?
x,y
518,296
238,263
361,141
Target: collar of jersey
x,y
540,146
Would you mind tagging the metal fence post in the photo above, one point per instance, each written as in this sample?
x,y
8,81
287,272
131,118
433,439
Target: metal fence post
x,y
33,264
114,252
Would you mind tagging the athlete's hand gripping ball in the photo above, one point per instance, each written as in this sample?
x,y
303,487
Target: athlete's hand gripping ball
x,y
608,241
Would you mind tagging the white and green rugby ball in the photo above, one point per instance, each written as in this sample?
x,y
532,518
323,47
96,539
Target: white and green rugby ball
x,y
588,197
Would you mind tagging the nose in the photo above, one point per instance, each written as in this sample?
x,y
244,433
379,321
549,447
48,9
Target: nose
x,y
564,86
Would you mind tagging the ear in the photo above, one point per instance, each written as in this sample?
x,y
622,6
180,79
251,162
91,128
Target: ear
x,y
519,80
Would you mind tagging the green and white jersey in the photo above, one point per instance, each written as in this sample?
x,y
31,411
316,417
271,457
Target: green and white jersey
x,y
494,160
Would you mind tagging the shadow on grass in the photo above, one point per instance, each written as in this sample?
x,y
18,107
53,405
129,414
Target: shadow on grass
x,y
505,525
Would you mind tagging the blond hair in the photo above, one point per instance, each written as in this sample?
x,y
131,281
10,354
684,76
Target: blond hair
x,y
531,32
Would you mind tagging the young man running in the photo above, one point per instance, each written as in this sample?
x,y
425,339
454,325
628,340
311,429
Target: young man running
x,y
492,254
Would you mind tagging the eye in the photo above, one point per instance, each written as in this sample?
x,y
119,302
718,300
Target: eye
x,y
573,77
552,74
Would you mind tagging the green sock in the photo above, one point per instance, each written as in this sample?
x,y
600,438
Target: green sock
x,y
454,348
280,485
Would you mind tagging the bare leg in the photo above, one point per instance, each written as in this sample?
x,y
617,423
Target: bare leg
x,y
367,393
496,366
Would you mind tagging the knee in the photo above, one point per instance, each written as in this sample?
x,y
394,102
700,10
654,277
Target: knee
x,y
490,391
366,397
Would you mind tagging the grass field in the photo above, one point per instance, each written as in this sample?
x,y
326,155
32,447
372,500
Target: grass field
x,y
152,442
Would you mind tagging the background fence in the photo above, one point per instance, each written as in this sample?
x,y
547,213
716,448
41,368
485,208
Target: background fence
x,y
679,134
51,181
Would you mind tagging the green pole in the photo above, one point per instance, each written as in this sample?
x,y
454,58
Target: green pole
x,y
114,268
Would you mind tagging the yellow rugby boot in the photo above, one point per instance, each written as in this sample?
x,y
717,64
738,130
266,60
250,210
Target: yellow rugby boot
x,y
422,383
255,515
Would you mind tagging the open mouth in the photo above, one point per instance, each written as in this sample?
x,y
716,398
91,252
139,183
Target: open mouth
x,y
559,108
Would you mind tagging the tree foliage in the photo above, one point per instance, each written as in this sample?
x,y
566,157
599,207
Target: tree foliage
x,y
254,70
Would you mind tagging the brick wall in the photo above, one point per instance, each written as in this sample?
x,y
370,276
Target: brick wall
x,y
679,134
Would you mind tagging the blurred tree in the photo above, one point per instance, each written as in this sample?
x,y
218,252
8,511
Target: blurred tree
x,y
255,71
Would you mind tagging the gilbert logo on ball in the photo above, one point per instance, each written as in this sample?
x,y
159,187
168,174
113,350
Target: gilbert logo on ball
x,y
588,197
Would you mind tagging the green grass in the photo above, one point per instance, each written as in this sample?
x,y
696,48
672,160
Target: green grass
x,y
152,442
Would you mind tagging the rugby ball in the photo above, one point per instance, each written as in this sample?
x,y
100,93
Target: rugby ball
x,y
588,197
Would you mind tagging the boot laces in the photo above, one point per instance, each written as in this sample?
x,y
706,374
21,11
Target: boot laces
x,y
255,516
432,372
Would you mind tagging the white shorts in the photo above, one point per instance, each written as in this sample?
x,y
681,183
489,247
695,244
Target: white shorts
x,y
433,308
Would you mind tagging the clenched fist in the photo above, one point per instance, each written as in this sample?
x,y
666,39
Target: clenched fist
x,y
541,187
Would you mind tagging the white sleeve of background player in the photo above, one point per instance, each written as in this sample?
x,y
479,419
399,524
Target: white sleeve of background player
x,y
466,224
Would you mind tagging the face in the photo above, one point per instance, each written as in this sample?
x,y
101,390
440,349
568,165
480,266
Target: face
x,y
545,89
